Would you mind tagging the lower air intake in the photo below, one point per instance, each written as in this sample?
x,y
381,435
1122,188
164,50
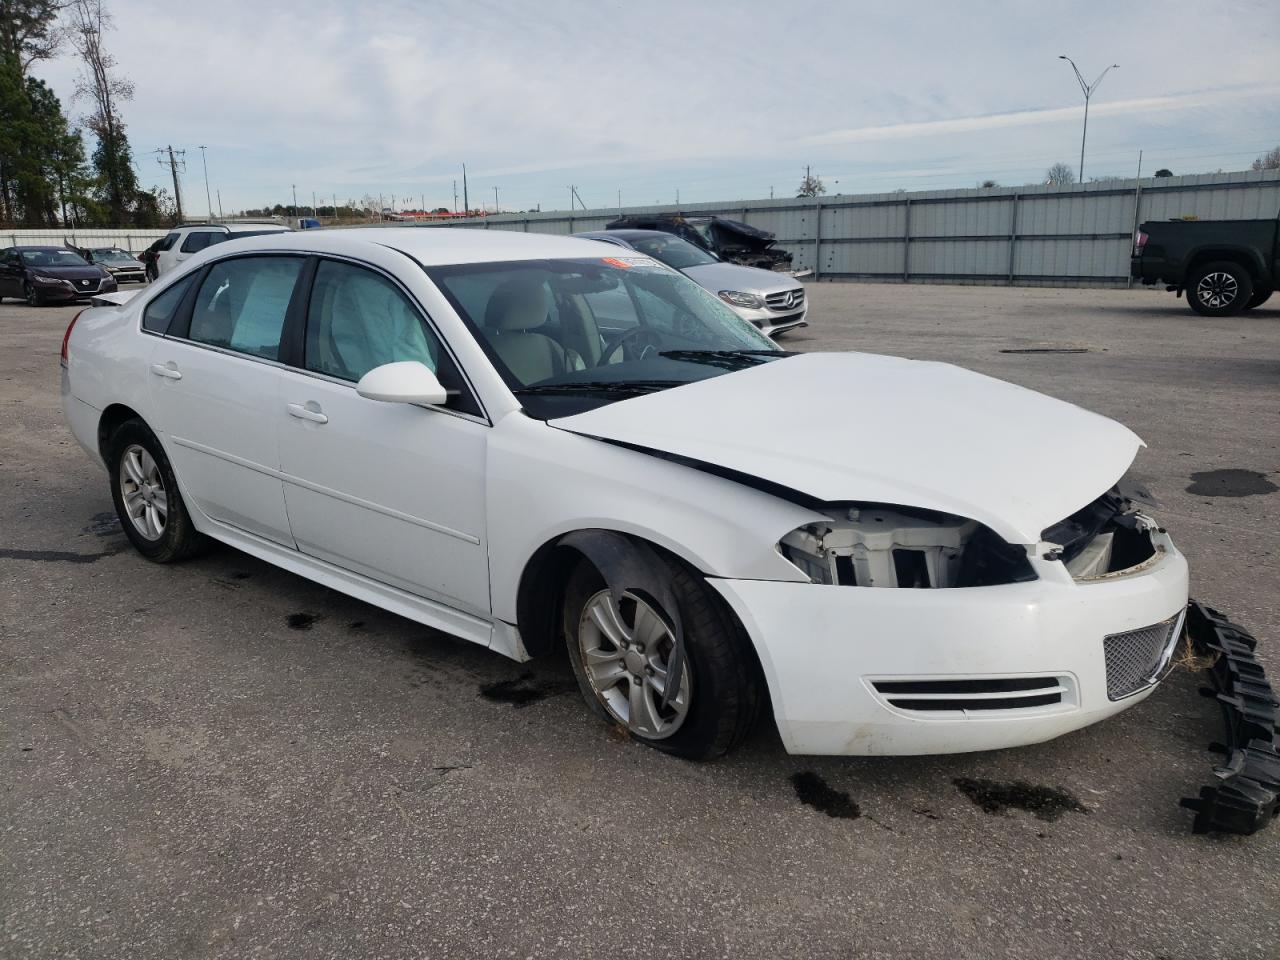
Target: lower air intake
x,y
986,694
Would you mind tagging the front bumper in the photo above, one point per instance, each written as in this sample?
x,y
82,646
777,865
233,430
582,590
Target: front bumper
x,y
67,291
772,322
824,649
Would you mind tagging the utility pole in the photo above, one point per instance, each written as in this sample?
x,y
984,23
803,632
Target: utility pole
x,y
619,201
294,212
380,208
220,217
175,158
466,202
1087,89
495,200
205,163
335,207
422,199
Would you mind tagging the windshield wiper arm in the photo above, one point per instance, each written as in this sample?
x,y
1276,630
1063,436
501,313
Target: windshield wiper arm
x,y
729,359
601,386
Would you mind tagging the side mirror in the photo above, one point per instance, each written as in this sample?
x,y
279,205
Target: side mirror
x,y
405,381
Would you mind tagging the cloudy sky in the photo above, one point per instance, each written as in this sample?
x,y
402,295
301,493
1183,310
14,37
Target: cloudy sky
x,y
716,100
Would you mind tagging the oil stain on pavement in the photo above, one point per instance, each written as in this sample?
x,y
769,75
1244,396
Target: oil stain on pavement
x,y
300,621
1047,803
1231,483
813,791
524,690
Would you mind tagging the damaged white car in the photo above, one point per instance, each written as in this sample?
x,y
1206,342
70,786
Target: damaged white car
x,y
529,444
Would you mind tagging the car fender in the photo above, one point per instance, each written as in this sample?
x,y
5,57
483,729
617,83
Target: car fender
x,y
544,483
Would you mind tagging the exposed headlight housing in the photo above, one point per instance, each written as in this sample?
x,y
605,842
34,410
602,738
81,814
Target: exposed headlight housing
x,y
737,298
891,547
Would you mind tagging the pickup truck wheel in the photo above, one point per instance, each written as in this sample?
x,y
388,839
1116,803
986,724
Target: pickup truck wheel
x,y
1258,299
622,655
1219,289
145,493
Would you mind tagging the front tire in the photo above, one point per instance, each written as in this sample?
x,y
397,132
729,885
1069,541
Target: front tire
x,y
33,296
145,492
1258,299
621,663
1219,289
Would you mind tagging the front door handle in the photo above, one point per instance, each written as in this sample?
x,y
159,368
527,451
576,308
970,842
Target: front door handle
x,y
168,370
307,411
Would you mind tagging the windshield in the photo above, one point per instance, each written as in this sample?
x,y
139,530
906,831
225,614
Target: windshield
x,y
569,335
53,258
112,256
673,251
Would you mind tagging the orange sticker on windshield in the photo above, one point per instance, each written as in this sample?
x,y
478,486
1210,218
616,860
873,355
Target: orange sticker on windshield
x,y
626,263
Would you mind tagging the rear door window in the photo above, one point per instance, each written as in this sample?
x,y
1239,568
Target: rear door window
x,y
199,239
241,304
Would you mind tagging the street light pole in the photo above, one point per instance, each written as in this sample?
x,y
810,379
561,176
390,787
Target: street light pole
x,y
1087,89
208,199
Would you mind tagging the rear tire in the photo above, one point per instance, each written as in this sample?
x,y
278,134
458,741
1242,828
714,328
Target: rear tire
x,y
1258,299
722,681
145,492
1219,289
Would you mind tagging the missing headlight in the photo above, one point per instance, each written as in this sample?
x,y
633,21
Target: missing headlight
x,y
890,547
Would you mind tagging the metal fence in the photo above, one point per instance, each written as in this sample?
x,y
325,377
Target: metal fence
x,y
1031,235
134,241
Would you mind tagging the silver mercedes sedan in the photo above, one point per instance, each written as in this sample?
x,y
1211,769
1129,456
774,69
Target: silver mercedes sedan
x,y
774,302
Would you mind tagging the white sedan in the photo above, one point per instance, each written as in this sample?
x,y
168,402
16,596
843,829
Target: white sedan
x,y
528,442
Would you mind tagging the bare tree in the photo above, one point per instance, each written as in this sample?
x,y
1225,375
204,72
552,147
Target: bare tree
x,y
1060,175
87,22
1269,160
811,185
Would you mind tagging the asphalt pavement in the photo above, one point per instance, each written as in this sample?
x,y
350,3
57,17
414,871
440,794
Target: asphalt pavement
x,y
220,759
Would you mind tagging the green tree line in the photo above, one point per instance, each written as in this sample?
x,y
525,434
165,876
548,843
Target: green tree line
x,y
47,176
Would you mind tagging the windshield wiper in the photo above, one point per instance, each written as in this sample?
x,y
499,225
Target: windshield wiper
x,y
728,359
600,386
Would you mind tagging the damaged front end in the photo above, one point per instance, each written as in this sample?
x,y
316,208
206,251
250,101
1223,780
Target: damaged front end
x,y
878,545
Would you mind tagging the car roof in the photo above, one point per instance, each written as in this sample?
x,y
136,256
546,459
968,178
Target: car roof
x,y
430,246
49,247
628,234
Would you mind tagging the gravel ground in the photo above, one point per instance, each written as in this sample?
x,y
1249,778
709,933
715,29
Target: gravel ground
x,y
219,759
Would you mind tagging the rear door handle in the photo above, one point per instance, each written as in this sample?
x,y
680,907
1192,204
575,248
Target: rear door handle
x,y
168,370
308,411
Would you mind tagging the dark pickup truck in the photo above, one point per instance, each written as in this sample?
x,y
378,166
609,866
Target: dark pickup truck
x,y
1224,265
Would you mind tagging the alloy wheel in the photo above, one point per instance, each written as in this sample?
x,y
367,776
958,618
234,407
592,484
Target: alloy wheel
x,y
143,493
626,655
1217,290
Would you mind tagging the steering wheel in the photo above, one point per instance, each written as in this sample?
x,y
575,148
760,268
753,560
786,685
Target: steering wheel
x,y
626,336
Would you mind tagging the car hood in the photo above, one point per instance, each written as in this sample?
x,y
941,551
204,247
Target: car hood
x,y
68,273
862,427
730,276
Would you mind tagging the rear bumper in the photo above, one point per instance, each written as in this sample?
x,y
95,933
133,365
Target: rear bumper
x,y
824,649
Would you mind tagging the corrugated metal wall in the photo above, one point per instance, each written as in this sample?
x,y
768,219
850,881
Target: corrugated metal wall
x,y
132,240
1056,236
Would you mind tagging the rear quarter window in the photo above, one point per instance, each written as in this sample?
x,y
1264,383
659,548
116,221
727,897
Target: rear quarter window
x,y
158,314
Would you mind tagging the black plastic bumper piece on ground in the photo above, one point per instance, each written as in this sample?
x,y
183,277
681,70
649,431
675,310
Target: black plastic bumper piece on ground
x,y
1245,796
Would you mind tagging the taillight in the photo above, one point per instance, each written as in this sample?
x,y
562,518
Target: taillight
x,y
1139,242
66,337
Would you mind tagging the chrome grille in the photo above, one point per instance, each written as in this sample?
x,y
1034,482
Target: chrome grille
x,y
1137,659
785,299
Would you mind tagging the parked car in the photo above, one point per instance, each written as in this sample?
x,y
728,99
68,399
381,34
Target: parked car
x,y
43,275
730,240
520,441
191,238
121,264
772,301
1225,266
